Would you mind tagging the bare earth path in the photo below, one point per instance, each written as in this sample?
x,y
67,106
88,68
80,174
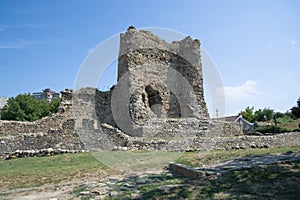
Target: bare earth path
x,y
65,190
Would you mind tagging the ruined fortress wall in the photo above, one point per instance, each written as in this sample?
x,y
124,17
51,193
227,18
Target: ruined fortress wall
x,y
56,131
160,99
32,137
65,139
56,121
39,126
85,121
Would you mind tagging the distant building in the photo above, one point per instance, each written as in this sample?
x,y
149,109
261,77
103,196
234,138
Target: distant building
x,y
3,101
47,94
247,126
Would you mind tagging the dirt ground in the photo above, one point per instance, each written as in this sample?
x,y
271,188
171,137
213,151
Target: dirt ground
x,y
65,190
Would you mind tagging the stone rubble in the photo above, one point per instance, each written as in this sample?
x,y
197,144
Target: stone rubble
x,y
40,153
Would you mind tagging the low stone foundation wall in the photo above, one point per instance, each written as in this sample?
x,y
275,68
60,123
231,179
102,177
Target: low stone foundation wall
x,y
55,139
111,138
125,142
246,141
223,128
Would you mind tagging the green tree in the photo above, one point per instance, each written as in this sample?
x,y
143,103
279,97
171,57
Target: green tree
x,y
296,109
282,118
53,105
26,107
263,115
248,114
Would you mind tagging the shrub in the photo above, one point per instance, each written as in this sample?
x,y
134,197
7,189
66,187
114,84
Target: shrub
x,y
272,129
296,130
284,119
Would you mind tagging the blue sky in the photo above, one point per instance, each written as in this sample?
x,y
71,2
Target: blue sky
x,y
254,44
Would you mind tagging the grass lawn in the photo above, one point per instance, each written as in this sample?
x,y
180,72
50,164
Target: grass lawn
x,y
28,172
279,181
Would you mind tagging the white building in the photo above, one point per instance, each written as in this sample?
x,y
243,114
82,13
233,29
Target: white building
x,y
47,94
3,101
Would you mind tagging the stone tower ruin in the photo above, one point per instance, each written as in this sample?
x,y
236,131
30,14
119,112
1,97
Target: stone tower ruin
x,y
163,85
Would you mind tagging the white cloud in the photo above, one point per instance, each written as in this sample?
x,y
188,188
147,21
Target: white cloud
x,y
31,26
7,47
7,26
245,91
237,98
16,43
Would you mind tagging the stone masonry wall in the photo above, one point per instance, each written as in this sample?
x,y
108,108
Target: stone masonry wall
x,y
61,135
56,132
207,143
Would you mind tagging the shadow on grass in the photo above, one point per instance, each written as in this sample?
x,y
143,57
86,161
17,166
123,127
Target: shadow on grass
x,y
277,181
270,182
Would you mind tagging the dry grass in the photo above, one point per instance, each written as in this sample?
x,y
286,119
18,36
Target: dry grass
x,y
290,125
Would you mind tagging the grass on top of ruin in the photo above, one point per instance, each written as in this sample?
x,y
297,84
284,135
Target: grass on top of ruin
x,y
37,171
